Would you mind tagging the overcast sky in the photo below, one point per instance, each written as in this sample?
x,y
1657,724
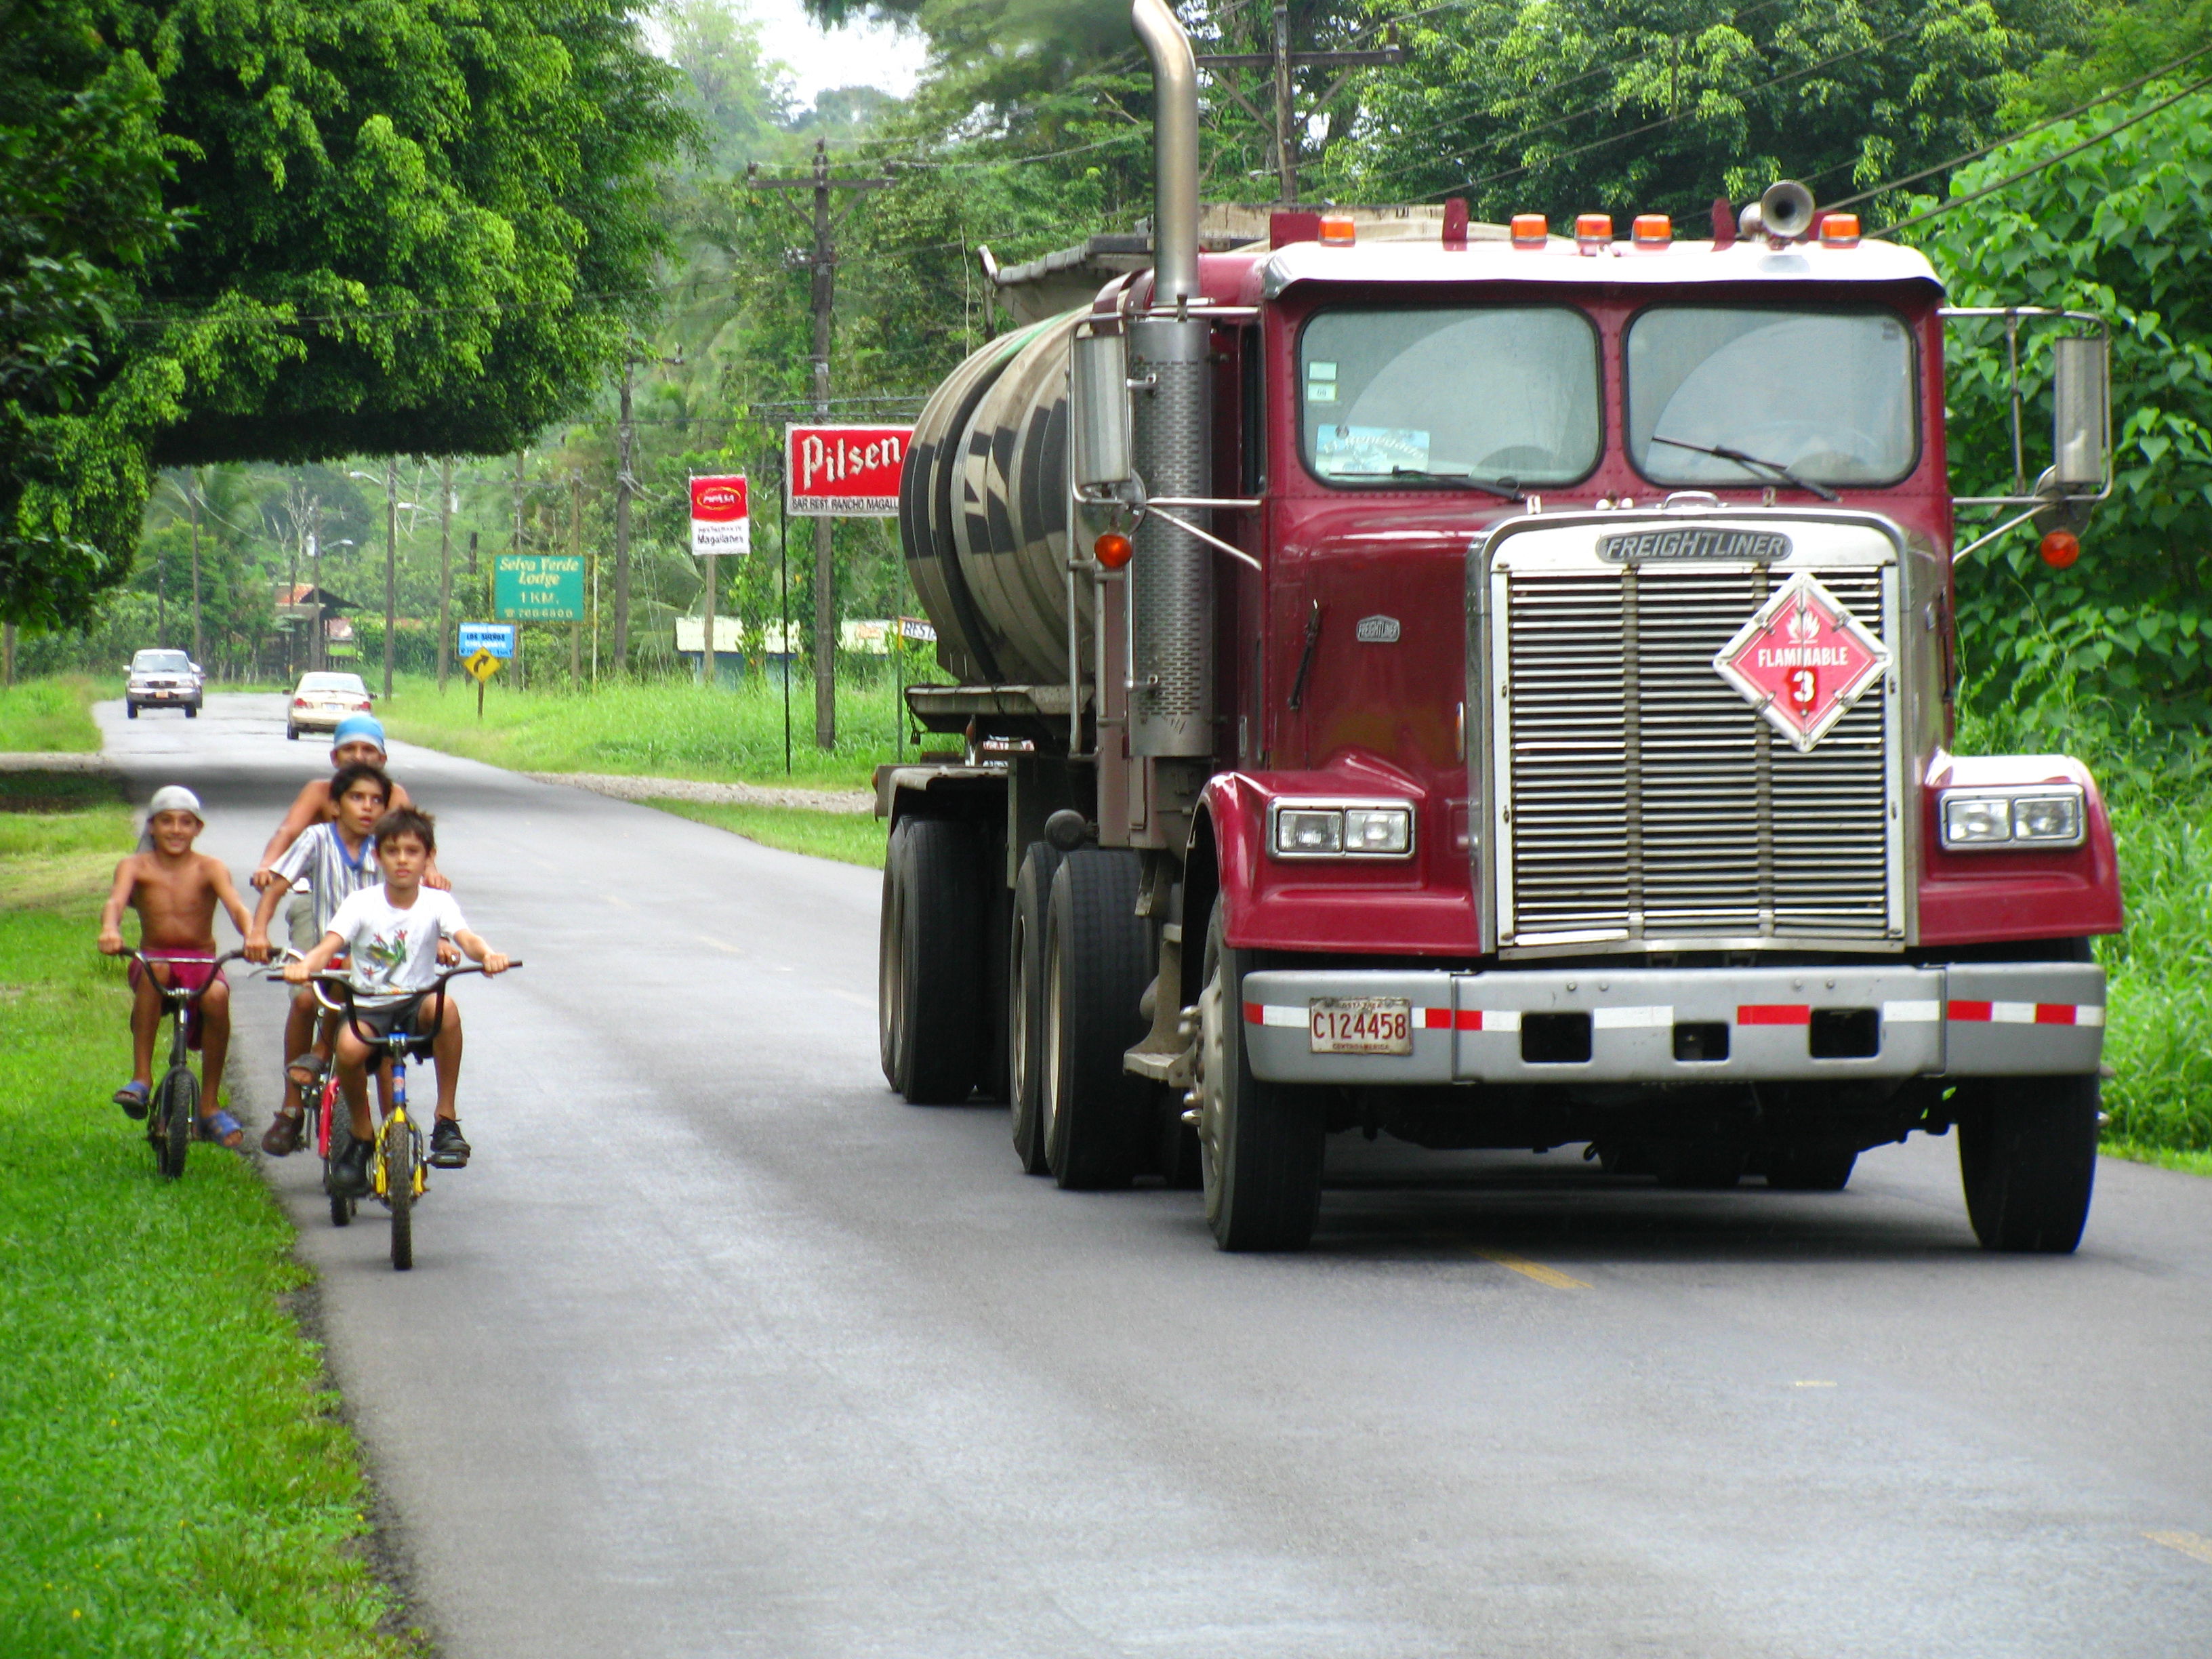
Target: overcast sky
x,y
862,56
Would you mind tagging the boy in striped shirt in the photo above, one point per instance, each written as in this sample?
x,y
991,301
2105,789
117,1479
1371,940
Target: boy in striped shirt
x,y
335,859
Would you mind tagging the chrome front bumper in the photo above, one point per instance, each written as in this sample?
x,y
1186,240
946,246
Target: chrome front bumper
x,y
1996,1019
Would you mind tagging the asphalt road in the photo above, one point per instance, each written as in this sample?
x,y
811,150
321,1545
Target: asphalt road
x,y
720,1350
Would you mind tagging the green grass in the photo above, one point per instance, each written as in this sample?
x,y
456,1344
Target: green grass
x,y
51,716
175,1479
2158,1036
656,730
851,837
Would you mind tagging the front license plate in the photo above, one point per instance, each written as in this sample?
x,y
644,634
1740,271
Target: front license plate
x,y
1361,1025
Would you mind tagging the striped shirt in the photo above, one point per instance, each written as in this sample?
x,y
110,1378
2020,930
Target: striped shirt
x,y
319,860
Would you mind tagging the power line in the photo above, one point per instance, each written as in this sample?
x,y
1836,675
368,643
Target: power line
x,y
2048,160
2033,127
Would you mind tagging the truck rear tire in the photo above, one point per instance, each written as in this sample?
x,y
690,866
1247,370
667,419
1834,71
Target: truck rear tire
x,y
1260,1145
1096,971
1025,981
890,952
941,1024
2027,1157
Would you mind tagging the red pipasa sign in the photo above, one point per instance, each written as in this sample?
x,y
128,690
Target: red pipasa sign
x,y
850,471
722,523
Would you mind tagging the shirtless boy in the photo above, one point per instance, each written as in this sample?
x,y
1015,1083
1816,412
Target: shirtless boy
x,y
336,861
175,891
358,741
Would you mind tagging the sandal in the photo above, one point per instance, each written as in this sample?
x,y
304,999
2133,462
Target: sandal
x,y
305,1071
224,1130
132,1098
281,1138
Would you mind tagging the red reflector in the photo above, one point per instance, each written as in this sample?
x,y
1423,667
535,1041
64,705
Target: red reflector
x,y
1435,1019
2060,548
1774,1013
1968,1010
1112,549
1470,1019
1254,1014
2054,1013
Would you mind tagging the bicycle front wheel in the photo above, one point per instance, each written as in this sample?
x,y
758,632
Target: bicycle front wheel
x,y
176,1109
399,1190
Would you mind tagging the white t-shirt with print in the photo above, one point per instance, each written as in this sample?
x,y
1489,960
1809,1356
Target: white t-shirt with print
x,y
394,953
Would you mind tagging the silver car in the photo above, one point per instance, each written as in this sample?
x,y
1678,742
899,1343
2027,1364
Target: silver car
x,y
163,679
321,701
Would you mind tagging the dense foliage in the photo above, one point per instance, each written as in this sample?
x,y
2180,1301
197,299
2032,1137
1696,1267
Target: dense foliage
x,y
415,226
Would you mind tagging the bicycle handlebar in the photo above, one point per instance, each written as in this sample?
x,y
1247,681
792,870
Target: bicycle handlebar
x,y
343,983
177,994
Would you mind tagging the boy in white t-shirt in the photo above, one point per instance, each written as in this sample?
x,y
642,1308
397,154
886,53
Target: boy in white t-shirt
x,y
390,935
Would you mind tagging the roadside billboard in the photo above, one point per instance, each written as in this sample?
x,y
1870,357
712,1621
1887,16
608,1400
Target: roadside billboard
x,y
844,471
498,638
537,588
721,516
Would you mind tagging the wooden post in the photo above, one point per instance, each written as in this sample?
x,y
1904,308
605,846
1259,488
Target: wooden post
x,y
445,569
576,550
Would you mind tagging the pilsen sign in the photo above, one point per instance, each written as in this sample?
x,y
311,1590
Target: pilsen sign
x,y
844,471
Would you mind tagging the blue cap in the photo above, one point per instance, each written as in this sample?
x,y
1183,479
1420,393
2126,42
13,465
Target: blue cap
x,y
354,727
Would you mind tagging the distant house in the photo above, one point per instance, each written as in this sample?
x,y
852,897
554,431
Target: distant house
x,y
308,614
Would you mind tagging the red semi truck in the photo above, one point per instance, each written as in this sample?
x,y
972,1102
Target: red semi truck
x,y
1494,689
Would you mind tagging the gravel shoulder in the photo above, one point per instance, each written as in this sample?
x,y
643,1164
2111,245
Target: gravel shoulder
x,y
724,794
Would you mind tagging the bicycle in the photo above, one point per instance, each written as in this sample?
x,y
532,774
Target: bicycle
x,y
173,1111
319,1097
397,1172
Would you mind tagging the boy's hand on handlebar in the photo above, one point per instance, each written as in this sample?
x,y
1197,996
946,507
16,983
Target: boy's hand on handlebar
x,y
448,955
494,962
111,941
256,947
296,971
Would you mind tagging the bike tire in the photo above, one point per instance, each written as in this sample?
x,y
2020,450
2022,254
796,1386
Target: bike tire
x,y
176,1113
400,1191
342,1203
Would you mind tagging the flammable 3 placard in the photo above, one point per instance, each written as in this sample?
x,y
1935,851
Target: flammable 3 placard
x,y
844,471
721,517
1802,660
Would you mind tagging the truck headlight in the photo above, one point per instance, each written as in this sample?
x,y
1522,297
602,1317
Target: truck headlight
x,y
2043,815
1326,829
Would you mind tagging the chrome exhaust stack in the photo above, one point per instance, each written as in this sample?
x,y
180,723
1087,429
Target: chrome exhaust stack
x,y
1171,600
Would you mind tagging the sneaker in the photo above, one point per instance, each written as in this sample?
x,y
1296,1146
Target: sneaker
x,y
349,1172
448,1149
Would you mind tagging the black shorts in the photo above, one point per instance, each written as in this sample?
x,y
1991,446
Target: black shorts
x,y
411,1019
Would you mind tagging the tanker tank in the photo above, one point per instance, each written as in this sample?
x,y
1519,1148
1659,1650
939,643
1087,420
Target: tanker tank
x,y
983,513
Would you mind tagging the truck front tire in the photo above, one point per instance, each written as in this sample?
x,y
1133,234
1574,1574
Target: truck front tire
x,y
931,1018
1260,1145
2027,1157
1025,982
1096,971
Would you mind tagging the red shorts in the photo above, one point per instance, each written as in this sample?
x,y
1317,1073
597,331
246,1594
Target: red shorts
x,y
192,973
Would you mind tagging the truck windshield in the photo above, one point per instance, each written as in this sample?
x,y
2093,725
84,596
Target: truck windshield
x,y
1501,397
1823,396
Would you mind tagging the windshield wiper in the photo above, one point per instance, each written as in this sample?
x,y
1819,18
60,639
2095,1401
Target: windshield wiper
x,y
1507,488
1722,451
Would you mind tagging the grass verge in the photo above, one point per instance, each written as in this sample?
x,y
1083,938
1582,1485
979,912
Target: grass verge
x,y
2158,786
174,1475
849,837
51,716
730,735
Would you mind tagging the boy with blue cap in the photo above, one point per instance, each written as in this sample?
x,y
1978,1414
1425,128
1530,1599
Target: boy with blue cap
x,y
358,741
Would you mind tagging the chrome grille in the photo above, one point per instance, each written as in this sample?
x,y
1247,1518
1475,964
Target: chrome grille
x,y
1648,800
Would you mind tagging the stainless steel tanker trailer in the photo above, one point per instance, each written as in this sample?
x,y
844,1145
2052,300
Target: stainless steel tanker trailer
x,y
1492,688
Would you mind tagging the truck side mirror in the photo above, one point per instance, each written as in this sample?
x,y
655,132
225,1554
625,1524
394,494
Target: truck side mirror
x,y
1098,427
2081,400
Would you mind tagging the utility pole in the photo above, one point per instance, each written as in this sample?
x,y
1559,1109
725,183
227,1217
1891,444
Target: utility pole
x,y
521,658
445,569
192,501
1279,62
577,547
391,562
822,261
625,432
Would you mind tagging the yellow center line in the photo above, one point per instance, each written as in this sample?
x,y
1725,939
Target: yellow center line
x,y
1535,1270
719,944
2187,1542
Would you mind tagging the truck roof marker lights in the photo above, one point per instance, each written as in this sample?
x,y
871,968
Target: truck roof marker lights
x,y
1530,230
1653,232
1593,231
1839,230
1338,230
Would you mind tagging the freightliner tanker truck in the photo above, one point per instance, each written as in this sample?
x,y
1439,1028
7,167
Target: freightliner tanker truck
x,y
1494,689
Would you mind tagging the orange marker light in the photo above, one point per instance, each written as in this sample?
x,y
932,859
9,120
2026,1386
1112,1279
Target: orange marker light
x,y
1530,230
1112,549
1839,230
1337,231
2060,548
1653,230
1593,230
